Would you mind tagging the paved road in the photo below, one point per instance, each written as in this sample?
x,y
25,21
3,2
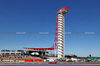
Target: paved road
x,y
51,65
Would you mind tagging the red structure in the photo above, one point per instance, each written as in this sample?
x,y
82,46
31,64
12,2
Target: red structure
x,y
56,35
28,60
41,48
71,55
38,60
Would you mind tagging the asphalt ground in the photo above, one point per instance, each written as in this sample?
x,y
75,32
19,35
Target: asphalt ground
x,y
53,65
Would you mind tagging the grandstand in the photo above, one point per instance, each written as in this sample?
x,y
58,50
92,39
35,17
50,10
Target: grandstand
x,y
11,52
17,55
19,58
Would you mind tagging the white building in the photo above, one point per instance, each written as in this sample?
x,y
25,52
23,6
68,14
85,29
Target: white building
x,y
11,52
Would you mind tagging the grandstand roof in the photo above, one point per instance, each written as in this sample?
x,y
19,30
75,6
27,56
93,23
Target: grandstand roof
x,y
40,48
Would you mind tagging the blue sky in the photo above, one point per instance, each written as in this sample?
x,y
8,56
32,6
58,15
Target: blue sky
x,y
40,16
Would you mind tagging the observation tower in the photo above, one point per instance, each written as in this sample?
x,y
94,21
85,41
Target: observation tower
x,y
59,34
60,31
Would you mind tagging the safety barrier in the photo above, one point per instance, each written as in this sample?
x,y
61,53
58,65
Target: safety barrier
x,y
28,60
40,60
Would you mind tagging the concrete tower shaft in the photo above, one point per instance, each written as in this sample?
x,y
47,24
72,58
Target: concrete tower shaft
x,y
61,31
61,35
